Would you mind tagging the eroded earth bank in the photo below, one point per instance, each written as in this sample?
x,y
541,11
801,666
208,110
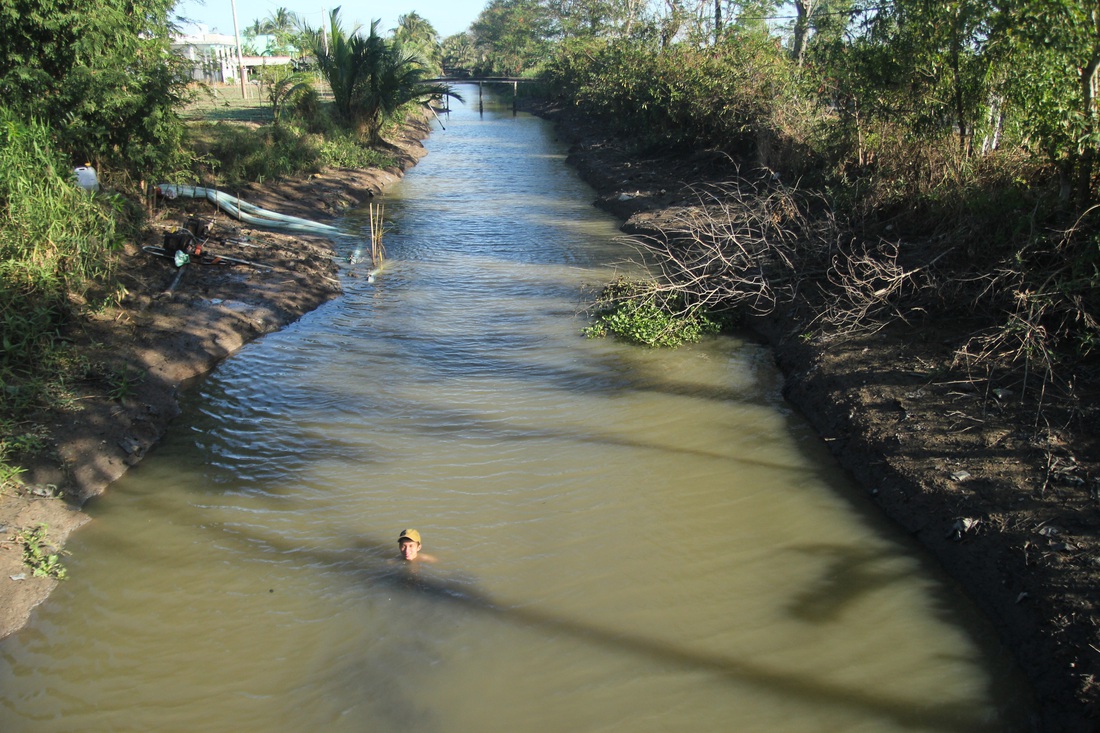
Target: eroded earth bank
x,y
172,326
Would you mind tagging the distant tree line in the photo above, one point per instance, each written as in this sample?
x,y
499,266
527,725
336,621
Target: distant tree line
x,y
1021,74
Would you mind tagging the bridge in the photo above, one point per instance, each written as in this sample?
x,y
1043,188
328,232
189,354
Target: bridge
x,y
481,81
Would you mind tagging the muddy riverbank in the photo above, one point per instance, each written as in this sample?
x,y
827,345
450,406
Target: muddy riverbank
x,y
170,328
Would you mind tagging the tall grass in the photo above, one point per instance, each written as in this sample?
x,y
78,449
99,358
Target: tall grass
x,y
56,241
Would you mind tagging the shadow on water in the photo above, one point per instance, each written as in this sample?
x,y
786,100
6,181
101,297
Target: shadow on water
x,y
470,425
849,574
300,445
372,564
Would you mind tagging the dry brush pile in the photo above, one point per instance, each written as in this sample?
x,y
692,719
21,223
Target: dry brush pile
x,y
752,246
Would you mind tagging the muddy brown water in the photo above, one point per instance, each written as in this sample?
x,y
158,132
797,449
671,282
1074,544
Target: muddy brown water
x,y
627,540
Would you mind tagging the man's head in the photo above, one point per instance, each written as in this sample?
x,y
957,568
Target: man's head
x,y
409,543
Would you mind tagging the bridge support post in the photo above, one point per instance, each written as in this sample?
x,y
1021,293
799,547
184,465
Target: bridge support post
x,y
480,104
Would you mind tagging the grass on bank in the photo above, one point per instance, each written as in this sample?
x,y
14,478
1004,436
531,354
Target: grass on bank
x,y
58,247
238,141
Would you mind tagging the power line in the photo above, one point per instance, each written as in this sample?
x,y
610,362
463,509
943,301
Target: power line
x,y
854,11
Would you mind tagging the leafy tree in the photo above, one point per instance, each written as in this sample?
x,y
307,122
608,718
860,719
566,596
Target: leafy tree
x,y
681,96
458,53
1051,52
804,12
97,72
513,35
919,65
671,21
595,18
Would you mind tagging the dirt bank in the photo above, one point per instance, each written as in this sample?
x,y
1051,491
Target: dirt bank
x,y
165,332
1010,505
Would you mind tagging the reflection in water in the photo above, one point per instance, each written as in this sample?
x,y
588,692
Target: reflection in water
x,y
627,539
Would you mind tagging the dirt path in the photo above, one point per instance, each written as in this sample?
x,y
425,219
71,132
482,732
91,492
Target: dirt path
x,y
164,333
1007,503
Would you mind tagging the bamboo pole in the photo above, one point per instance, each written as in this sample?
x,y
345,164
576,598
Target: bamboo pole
x,y
377,248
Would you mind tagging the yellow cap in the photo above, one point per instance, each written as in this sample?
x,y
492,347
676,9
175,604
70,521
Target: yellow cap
x,y
409,534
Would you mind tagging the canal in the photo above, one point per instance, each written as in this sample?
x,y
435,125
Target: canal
x,y
626,539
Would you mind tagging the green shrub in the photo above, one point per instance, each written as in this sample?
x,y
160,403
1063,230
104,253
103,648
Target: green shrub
x,y
719,97
342,150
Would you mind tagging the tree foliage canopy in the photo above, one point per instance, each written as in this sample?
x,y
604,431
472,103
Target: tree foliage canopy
x,y
99,74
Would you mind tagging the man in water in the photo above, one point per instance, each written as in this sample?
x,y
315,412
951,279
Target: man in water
x,y
408,542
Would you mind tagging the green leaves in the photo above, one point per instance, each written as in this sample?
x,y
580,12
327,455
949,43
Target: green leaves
x,y
371,77
682,96
286,92
55,241
639,313
41,557
513,36
99,74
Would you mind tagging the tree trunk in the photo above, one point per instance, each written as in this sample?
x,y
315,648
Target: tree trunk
x,y
801,25
1087,161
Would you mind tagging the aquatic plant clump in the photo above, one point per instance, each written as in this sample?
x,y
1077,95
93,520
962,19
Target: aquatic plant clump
x,y
639,312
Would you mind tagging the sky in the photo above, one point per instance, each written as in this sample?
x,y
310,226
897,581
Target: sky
x,y
447,16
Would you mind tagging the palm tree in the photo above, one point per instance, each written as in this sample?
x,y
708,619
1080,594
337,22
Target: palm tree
x,y
415,28
277,21
287,91
371,78
418,35
279,24
459,54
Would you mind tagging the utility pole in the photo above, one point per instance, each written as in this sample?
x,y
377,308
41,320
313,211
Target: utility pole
x,y
240,61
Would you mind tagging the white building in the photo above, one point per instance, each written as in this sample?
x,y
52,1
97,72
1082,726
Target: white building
x,y
214,57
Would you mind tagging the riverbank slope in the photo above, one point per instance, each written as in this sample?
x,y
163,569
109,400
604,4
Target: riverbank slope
x,y
172,326
1008,504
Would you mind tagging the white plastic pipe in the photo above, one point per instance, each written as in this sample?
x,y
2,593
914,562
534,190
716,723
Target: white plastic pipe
x,y
246,212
